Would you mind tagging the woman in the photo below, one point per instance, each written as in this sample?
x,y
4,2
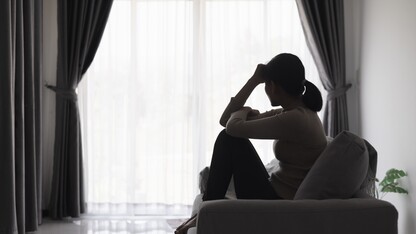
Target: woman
x,y
295,127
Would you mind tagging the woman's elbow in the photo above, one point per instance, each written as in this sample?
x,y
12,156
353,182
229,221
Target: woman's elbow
x,y
223,122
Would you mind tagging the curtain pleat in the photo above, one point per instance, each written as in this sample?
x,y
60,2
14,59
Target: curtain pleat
x,y
323,25
80,27
20,105
8,220
31,208
19,119
38,86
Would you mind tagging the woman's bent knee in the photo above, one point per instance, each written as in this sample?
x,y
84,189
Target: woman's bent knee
x,y
223,136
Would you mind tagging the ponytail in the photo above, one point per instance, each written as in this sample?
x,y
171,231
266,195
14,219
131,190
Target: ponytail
x,y
312,97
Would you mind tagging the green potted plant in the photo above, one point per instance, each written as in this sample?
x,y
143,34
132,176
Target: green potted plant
x,y
390,183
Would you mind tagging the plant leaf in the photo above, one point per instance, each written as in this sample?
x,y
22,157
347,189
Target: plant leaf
x,y
389,183
395,173
401,190
388,189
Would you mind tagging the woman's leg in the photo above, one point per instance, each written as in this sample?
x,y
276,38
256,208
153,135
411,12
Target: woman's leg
x,y
237,157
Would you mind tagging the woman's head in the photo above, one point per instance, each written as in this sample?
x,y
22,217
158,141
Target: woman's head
x,y
287,71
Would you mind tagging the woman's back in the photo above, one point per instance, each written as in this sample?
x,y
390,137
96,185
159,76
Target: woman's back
x,y
297,150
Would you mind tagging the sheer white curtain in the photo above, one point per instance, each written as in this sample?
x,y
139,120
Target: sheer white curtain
x,y
151,101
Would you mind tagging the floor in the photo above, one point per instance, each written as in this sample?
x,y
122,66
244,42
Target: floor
x,y
107,225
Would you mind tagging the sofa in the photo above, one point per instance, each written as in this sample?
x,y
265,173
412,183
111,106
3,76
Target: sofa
x,y
336,197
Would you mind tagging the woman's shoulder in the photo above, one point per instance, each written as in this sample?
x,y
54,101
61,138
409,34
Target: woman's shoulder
x,y
303,119
299,112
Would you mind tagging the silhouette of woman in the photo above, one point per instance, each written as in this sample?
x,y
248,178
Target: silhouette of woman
x,y
294,126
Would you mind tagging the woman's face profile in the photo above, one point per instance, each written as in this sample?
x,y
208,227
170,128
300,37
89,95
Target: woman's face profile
x,y
270,89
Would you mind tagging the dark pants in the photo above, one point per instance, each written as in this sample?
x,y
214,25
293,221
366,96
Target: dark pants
x,y
237,157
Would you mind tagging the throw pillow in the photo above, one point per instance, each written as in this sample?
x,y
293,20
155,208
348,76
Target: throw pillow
x,y
339,171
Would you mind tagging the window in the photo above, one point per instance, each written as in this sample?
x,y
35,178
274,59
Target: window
x,y
151,101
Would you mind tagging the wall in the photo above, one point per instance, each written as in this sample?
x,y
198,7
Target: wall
x,y
352,16
387,82
50,53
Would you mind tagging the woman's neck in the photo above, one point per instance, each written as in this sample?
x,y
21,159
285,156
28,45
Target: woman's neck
x,y
292,103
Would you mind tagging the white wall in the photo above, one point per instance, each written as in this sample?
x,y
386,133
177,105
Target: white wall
x,y
50,53
352,15
387,81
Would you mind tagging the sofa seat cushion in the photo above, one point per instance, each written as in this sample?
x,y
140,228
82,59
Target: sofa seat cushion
x,y
338,172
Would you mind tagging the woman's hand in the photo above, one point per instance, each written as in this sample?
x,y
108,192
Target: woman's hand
x,y
253,114
240,99
259,75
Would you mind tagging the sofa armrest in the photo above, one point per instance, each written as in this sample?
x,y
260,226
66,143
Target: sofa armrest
x,y
356,215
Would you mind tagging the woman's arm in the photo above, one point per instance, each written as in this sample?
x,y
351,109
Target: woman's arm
x,y
255,114
285,125
240,99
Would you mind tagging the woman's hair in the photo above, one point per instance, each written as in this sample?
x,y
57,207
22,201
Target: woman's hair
x,y
287,71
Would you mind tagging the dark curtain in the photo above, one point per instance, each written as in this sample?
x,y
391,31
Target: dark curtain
x,y
20,116
81,24
323,25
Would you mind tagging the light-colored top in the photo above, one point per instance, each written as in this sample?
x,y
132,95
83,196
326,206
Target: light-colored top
x,y
298,135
